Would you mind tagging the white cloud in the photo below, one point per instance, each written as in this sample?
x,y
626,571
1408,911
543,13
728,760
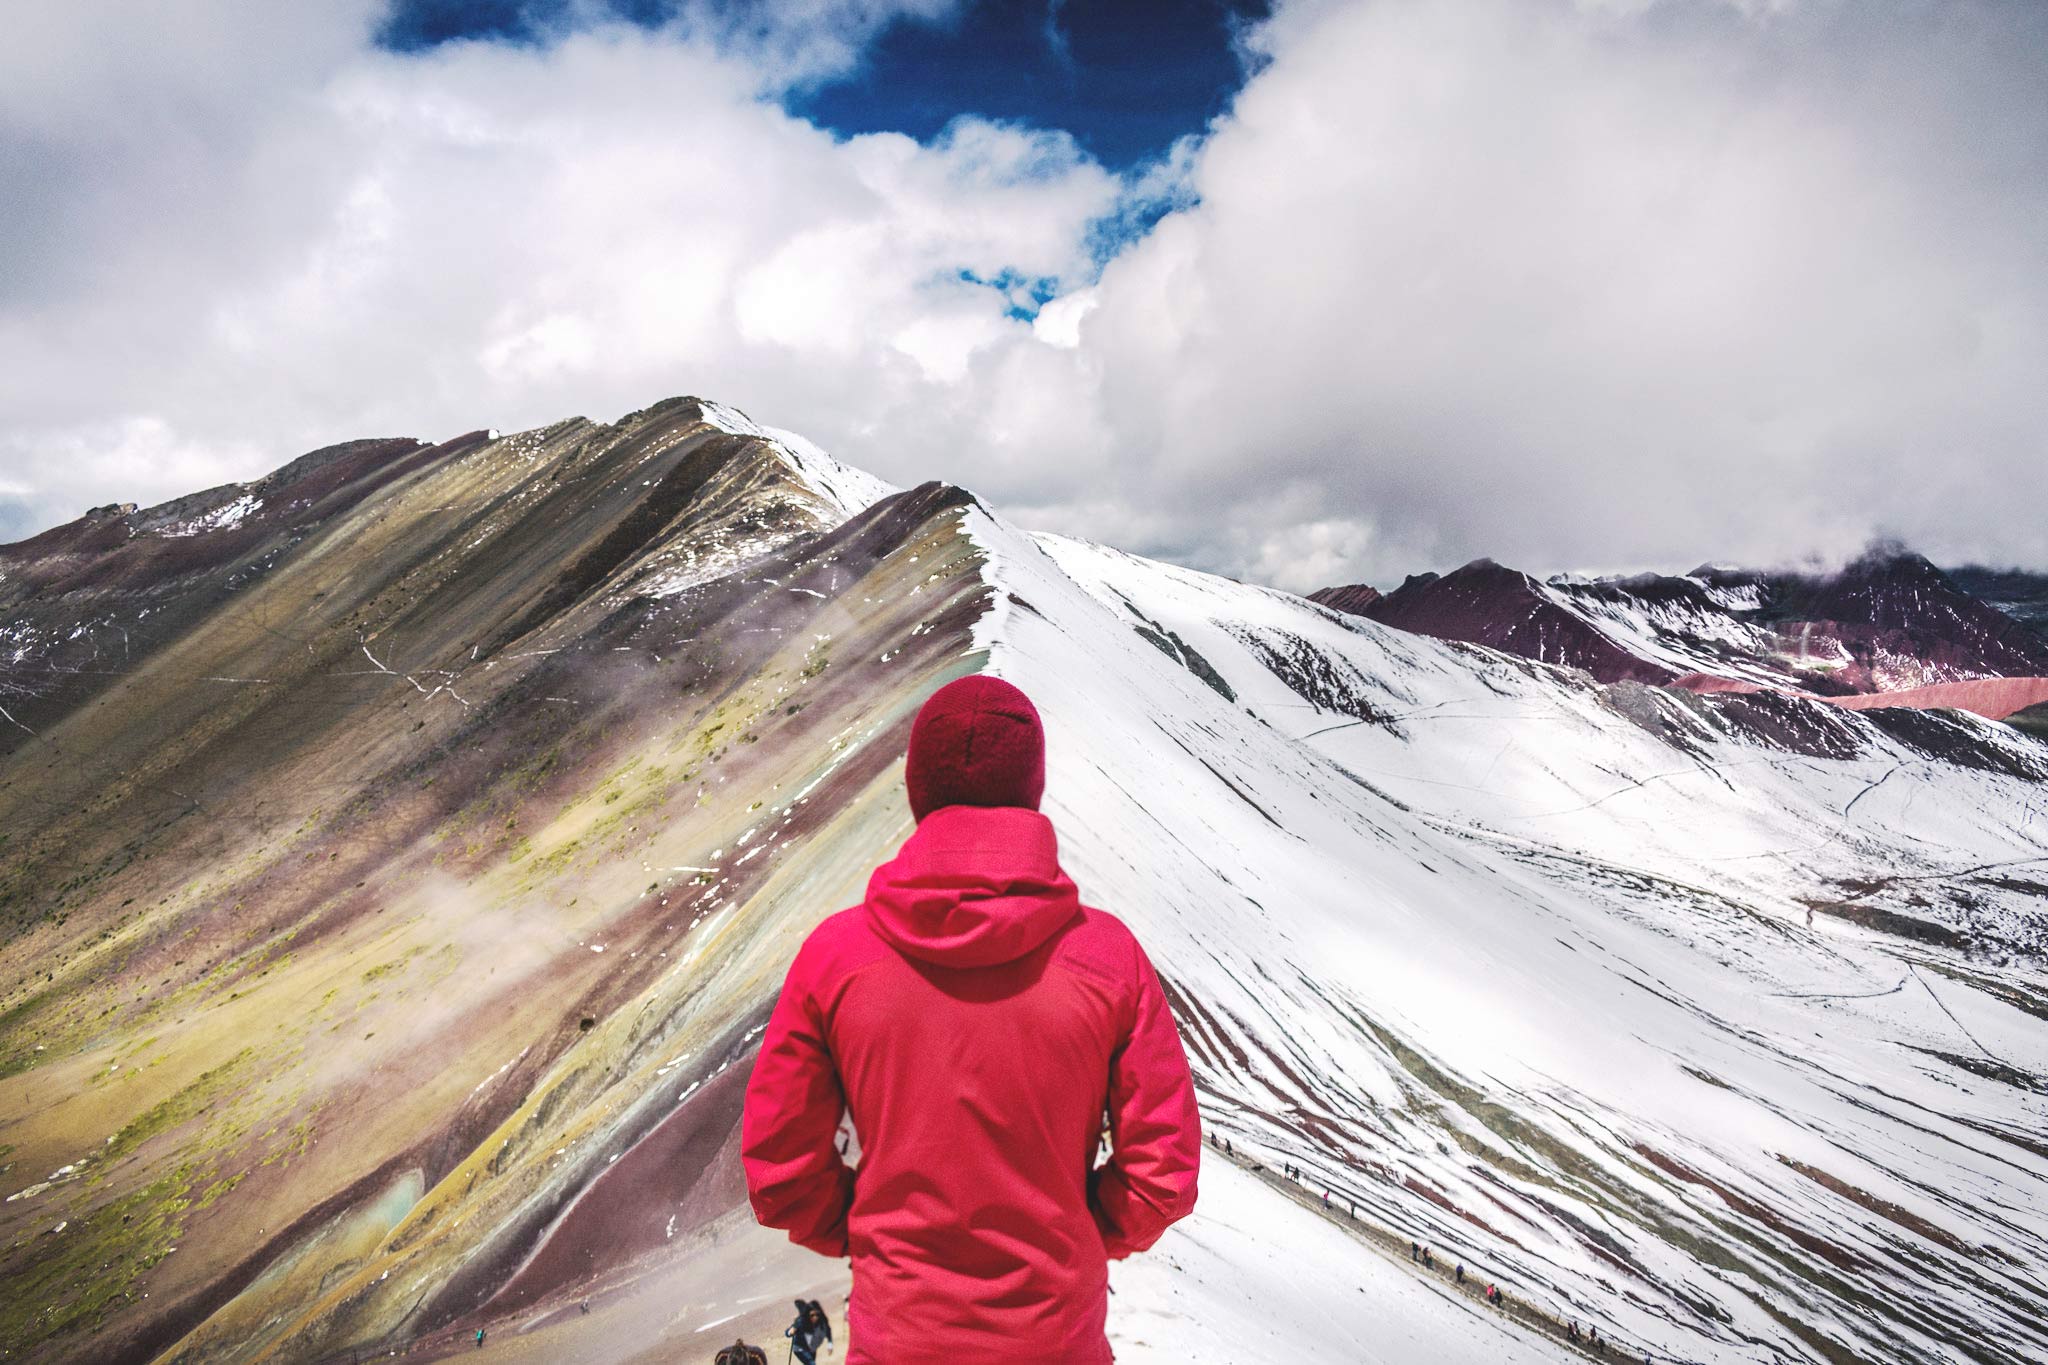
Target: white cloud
x,y
1561,283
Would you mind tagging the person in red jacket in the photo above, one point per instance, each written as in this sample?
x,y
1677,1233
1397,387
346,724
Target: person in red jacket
x,y
976,1020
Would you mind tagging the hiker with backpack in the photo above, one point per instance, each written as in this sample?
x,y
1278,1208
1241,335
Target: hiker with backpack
x,y
975,1019
739,1353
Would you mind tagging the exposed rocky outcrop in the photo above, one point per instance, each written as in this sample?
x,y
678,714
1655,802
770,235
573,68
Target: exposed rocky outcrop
x,y
1352,597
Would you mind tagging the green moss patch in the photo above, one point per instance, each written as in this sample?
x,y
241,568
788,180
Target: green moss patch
x,y
65,1281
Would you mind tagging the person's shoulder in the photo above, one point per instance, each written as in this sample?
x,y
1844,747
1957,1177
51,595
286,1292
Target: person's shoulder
x,y
1106,928
841,943
1103,946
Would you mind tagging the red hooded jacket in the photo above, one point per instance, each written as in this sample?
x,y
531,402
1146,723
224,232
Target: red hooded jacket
x,y
977,1021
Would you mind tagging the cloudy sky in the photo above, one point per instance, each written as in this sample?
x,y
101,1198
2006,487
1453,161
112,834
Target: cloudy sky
x,y
1323,290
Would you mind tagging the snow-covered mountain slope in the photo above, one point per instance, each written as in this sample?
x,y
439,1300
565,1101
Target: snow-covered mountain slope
x,y
1594,991
398,861
1252,1278
844,489
1890,621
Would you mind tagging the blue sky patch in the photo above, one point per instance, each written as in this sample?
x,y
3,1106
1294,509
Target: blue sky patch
x,y
1124,77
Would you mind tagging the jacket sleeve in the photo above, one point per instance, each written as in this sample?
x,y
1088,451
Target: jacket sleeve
x,y
1148,1183
795,1178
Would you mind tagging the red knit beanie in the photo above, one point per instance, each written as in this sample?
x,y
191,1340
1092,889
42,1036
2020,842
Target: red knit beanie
x,y
977,741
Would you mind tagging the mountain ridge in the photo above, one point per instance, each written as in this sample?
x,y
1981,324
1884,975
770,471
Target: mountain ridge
x,y
1890,623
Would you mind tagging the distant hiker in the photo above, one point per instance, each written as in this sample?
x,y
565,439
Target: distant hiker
x,y
739,1353
974,1018
1326,1201
1226,1147
1461,1272
1428,1259
479,1337
799,1334
584,1306
809,1331
1572,1330
1414,1251
820,1326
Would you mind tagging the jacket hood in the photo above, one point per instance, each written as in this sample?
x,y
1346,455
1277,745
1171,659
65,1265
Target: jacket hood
x,y
974,886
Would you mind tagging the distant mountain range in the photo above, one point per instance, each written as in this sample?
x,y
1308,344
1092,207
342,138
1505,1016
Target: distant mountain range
x,y
1887,629
399,856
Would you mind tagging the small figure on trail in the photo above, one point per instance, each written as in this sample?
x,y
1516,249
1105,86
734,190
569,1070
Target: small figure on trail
x,y
1226,1147
1414,1251
1572,1331
820,1325
584,1306
479,1336
809,1331
1428,1259
799,1334
1326,1201
1593,1339
1461,1272
971,1016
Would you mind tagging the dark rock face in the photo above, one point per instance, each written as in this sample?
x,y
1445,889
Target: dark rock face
x,y
2016,592
1352,598
1484,603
